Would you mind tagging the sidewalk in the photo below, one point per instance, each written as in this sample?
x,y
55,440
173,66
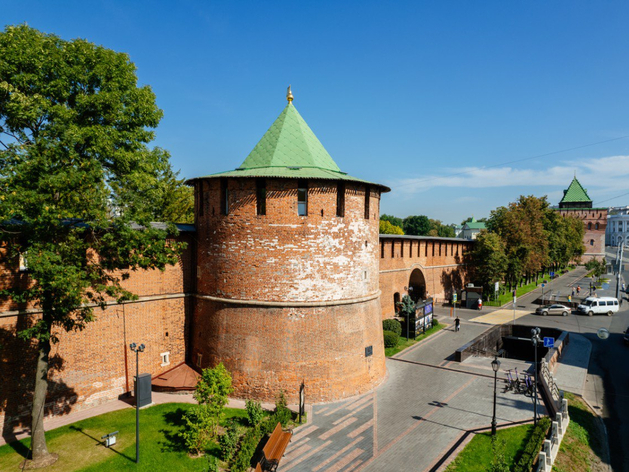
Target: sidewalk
x,y
411,421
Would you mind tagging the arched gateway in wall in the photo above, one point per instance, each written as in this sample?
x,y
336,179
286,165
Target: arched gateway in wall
x,y
430,266
287,271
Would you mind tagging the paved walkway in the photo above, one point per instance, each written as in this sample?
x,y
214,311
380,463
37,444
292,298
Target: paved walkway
x,y
428,404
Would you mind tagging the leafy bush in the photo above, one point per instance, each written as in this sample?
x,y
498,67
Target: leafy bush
x,y
212,391
229,440
390,339
282,413
248,446
255,413
199,429
435,322
212,464
534,445
392,325
499,462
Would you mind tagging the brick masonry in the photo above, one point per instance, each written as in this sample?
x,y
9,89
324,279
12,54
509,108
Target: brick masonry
x,y
595,223
279,298
94,365
432,266
284,298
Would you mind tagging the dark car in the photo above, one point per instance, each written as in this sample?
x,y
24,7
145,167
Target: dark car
x,y
553,310
626,337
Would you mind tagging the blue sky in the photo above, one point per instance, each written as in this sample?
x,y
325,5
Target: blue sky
x,y
449,103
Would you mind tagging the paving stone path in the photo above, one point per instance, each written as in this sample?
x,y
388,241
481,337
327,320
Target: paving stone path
x,y
425,407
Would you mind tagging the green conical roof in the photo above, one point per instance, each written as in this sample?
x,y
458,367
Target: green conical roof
x,y
289,142
575,193
289,149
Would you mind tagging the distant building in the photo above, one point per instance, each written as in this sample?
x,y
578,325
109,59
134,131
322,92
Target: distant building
x,y
576,202
471,229
617,226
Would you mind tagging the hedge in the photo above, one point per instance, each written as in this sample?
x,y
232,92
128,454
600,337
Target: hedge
x,y
392,325
390,339
534,445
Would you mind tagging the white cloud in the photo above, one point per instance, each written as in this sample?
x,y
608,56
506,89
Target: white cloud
x,y
606,173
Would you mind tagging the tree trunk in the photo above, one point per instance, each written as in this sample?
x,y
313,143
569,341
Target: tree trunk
x,y
38,435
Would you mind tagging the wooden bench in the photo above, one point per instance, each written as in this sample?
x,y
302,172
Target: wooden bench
x,y
274,448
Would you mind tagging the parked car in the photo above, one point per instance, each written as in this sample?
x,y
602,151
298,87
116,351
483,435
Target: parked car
x,y
555,309
626,337
599,306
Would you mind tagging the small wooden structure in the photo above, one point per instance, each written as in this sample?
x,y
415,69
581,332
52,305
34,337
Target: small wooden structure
x,y
274,449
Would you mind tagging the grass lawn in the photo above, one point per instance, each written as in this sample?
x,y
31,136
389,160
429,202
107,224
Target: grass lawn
x,y
477,455
581,448
508,297
403,344
79,448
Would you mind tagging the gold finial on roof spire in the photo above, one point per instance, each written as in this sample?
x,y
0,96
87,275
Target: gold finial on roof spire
x,y
289,95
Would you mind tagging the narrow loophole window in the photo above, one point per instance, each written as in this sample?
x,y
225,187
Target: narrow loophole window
x,y
261,196
302,198
340,199
224,197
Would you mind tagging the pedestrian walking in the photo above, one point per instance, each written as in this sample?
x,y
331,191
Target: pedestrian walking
x,y
578,289
480,304
457,324
573,291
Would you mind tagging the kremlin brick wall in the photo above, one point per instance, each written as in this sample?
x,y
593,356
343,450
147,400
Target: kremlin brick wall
x,y
440,261
95,365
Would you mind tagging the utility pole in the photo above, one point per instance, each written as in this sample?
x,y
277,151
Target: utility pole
x,y
619,270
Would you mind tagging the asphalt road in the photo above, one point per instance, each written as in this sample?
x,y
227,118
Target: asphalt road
x,y
607,386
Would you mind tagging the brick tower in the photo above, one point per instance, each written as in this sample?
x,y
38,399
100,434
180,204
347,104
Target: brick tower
x,y
576,202
287,271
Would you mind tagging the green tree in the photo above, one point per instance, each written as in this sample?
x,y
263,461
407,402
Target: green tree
x,y
416,225
394,220
437,228
388,228
597,267
74,129
407,307
213,389
489,261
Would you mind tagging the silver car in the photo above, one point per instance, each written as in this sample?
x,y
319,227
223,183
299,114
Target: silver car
x,y
553,310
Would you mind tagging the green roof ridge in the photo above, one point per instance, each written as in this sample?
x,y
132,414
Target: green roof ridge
x,y
575,193
289,142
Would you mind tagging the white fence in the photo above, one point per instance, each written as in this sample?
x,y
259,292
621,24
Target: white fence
x,y
551,446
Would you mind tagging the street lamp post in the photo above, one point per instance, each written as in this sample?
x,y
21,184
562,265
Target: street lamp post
x,y
535,339
137,349
408,315
495,365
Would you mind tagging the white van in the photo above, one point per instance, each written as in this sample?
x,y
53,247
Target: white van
x,y
598,306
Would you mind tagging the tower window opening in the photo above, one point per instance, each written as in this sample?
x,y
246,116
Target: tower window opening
x,y
200,198
367,195
224,197
261,197
302,198
340,199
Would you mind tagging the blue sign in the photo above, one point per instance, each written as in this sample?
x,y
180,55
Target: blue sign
x,y
552,274
543,285
549,342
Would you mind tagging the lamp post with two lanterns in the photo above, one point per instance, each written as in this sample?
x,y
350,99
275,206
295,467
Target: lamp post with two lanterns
x,y
137,349
495,365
